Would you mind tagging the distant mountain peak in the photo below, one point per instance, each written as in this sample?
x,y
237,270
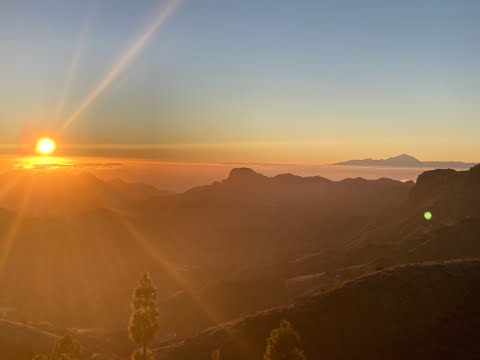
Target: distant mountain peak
x,y
243,173
405,160
403,157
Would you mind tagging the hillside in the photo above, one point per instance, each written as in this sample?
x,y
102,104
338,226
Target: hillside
x,y
210,252
424,311
22,342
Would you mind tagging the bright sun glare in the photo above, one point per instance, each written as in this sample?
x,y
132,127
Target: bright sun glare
x,y
46,146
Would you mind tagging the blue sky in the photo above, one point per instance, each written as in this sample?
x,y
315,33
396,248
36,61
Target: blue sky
x,y
307,80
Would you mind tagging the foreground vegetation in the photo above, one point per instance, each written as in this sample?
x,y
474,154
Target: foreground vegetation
x,y
283,343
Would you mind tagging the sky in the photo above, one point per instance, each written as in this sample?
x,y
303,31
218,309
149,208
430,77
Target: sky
x,y
267,81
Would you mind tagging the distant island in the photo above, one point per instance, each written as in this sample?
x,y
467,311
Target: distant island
x,y
408,161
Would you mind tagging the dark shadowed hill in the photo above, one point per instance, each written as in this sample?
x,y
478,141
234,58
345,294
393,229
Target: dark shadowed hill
x,y
427,311
448,194
403,235
451,196
246,215
22,342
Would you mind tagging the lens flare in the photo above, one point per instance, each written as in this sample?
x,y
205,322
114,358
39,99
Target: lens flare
x,y
46,146
79,50
124,61
427,215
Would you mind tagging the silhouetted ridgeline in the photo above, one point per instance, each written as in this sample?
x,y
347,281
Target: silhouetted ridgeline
x,y
222,232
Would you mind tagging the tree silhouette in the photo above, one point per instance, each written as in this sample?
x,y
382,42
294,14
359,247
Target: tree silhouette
x,y
141,354
284,344
144,317
217,355
65,348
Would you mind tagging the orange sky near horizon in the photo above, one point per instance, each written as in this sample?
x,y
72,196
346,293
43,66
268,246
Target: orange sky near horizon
x,y
308,83
279,152
181,176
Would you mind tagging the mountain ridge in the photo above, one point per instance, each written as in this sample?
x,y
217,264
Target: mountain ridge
x,y
405,160
38,192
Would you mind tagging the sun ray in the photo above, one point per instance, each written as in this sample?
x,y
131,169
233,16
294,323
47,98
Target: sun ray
x,y
124,61
9,185
72,71
12,232
180,279
146,244
78,263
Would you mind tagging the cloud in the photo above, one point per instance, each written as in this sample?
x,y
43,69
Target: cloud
x,y
91,165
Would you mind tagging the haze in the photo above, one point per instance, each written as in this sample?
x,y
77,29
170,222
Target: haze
x,y
239,179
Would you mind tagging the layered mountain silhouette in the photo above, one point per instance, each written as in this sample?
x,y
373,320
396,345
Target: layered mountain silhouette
x,y
38,192
408,161
96,248
251,243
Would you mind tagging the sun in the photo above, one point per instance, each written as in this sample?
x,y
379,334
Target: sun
x,y
46,146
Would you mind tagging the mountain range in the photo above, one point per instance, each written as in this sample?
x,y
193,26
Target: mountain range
x,y
256,249
408,161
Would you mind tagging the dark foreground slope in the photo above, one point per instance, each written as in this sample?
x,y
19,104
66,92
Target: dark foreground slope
x,y
22,341
424,311
19,341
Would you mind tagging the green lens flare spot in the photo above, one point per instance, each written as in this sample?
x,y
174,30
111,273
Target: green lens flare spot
x,y
427,215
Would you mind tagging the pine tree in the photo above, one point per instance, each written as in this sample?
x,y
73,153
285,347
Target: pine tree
x,y
144,318
284,344
139,354
217,355
65,348
40,357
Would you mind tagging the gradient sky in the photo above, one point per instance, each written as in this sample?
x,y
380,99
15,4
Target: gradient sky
x,y
253,80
